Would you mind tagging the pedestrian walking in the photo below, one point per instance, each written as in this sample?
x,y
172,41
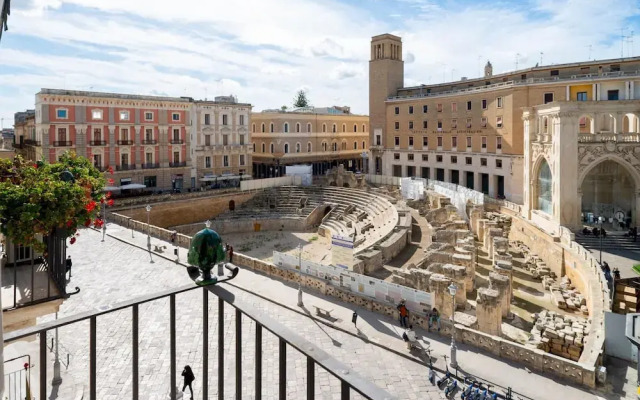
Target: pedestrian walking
x,y
403,314
68,265
231,254
434,318
354,319
188,377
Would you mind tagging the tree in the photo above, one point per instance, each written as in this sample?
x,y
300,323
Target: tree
x,y
284,108
40,198
301,99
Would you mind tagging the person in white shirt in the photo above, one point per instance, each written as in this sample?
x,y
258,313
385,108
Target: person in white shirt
x,y
411,337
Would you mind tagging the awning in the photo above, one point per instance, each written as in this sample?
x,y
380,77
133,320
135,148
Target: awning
x,y
133,186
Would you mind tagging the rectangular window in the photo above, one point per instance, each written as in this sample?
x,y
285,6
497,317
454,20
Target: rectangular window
x,y
96,114
411,141
148,158
454,142
425,108
424,124
124,159
396,156
554,72
124,115
61,113
410,156
468,123
548,98
207,119
499,102
468,142
148,134
150,181
439,107
242,121
454,107
468,106
484,104
439,141
396,141
483,122
613,95
378,140
454,124
614,68
225,119
498,163
175,116
124,134
410,109
241,140
498,122
484,142
97,161
425,141
225,140
396,125
148,116
468,160
207,162
425,157
397,110
483,162
410,124
439,125
241,159
499,143
225,161
581,96
454,159
176,135
438,158
176,157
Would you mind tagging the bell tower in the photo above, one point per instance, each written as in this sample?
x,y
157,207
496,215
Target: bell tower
x,y
386,76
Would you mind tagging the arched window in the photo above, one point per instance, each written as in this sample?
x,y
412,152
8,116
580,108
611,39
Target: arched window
x,y
363,144
355,128
264,148
254,147
544,188
271,148
364,128
297,128
309,128
309,147
344,145
286,127
355,145
271,128
253,128
334,146
263,127
286,148
297,147
324,128
334,129
344,127
324,146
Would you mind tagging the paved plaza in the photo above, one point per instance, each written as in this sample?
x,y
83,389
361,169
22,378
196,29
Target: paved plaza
x,y
114,271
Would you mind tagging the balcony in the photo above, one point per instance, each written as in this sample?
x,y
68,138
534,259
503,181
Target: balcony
x,y
177,141
31,142
62,144
609,137
149,141
213,300
178,164
125,142
125,167
150,165
97,143
100,168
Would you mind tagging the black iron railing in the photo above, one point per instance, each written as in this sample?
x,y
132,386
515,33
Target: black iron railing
x,y
177,141
150,165
62,143
98,142
178,164
350,380
125,142
125,167
149,141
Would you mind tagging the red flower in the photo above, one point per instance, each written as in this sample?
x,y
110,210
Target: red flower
x,y
110,169
111,181
98,223
69,224
110,202
90,206
102,200
72,241
34,165
108,195
87,222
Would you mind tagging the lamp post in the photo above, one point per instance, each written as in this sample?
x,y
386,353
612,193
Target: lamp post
x,y
104,219
148,208
452,290
57,379
601,220
300,303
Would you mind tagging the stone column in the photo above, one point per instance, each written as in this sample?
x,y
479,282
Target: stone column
x,y
501,284
438,284
465,258
506,269
489,233
458,275
500,246
488,311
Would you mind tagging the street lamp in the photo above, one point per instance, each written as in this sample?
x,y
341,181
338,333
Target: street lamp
x,y
148,208
57,379
601,220
300,303
104,219
452,291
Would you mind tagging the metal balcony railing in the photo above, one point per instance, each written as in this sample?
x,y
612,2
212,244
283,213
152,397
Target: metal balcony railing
x,y
125,142
125,167
31,142
63,143
149,141
98,142
178,164
177,141
150,165
350,380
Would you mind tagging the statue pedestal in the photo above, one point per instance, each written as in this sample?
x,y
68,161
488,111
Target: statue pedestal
x,y
205,278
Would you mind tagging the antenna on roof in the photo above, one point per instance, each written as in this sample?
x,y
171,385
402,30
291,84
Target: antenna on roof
x,y
589,58
630,45
517,59
622,42
541,54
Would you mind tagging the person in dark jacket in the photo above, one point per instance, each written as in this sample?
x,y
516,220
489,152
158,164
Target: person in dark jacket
x,y
189,377
231,254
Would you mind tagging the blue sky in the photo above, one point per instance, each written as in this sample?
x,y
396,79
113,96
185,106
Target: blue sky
x,y
263,51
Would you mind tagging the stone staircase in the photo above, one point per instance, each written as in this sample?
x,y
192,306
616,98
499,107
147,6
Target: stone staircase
x,y
613,241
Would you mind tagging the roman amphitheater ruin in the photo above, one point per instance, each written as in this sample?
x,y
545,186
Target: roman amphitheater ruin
x,y
524,294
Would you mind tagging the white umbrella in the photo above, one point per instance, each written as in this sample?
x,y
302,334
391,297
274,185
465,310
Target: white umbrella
x,y
133,186
110,188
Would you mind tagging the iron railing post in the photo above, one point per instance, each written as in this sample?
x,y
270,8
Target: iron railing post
x,y
282,370
205,344
238,354
172,344
345,390
311,379
220,348
92,358
134,351
43,364
258,361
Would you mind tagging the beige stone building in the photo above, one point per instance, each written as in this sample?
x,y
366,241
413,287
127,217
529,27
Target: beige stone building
x,y
323,137
24,127
470,131
222,141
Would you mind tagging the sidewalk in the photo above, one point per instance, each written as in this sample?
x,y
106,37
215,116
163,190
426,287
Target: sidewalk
x,y
384,332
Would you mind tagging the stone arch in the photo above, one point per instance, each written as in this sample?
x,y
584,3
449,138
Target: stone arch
x,y
586,123
285,127
297,127
271,148
308,128
264,148
263,128
542,186
630,123
298,147
286,148
308,147
607,123
610,157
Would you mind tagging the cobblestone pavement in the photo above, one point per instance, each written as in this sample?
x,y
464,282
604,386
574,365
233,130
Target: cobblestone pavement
x,y
113,271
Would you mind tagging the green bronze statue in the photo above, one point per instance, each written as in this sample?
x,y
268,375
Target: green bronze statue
x,y
206,250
